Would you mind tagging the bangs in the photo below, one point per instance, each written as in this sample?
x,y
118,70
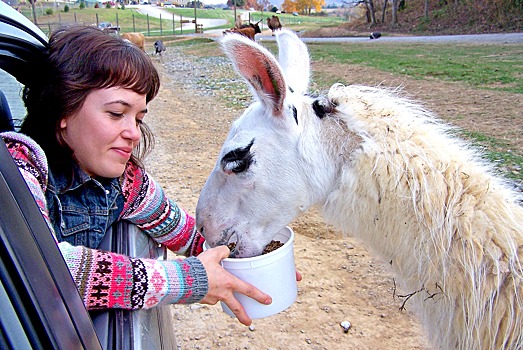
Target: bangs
x,y
132,69
87,58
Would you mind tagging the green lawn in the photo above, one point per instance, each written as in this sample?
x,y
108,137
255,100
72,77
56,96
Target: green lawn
x,y
129,20
497,67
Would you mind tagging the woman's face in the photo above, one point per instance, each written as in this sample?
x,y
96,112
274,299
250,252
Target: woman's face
x,y
104,131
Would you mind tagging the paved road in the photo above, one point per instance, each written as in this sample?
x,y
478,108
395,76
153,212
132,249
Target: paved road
x,y
508,38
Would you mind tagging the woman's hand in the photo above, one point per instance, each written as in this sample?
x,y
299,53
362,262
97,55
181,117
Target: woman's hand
x,y
222,284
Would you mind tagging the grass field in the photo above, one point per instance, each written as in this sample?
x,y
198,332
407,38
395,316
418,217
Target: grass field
x,y
130,19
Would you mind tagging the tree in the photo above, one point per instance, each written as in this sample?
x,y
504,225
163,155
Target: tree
x,y
264,4
371,12
395,8
239,3
384,10
306,6
251,3
289,6
32,2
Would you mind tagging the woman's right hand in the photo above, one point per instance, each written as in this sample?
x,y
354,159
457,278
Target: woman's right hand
x,y
222,284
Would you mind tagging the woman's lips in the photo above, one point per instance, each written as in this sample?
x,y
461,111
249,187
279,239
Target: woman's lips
x,y
124,151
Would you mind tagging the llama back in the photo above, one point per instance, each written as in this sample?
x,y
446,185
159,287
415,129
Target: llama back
x,y
426,202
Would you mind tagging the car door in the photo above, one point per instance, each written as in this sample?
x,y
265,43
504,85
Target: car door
x,y
39,307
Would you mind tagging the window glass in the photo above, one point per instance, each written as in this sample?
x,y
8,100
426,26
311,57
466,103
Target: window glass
x,y
12,90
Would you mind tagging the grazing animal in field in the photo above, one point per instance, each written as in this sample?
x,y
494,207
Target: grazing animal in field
x,y
159,47
273,23
136,38
383,169
375,35
248,31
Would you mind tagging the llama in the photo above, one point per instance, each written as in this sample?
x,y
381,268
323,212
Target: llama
x,y
274,23
383,169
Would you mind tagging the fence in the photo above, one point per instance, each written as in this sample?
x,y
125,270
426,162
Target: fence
x,y
149,26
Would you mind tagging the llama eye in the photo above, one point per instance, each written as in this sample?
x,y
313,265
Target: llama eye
x,y
322,108
238,160
238,166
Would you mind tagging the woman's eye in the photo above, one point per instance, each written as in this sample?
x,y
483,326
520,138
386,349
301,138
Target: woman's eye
x,y
116,115
139,121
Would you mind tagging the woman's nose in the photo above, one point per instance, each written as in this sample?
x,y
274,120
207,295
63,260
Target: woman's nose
x,y
132,130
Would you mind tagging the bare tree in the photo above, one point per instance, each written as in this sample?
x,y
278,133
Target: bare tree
x,y
426,8
385,2
32,2
395,4
370,9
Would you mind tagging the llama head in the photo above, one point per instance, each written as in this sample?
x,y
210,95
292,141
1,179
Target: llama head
x,y
261,180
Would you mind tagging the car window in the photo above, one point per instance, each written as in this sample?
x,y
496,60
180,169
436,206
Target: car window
x,y
12,90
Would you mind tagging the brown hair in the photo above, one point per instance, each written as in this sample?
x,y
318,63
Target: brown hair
x,y
82,59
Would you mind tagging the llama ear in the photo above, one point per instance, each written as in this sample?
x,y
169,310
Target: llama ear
x,y
294,60
259,67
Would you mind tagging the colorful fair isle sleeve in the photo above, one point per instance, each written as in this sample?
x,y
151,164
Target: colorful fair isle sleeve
x,y
110,280
147,206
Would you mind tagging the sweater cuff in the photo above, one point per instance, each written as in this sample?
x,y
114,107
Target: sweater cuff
x,y
200,285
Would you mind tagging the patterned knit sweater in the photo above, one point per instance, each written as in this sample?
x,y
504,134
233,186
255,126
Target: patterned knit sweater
x,y
110,280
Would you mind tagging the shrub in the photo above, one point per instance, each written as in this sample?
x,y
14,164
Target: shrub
x,y
48,11
82,5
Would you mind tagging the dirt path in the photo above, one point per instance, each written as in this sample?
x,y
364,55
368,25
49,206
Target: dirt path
x,y
342,280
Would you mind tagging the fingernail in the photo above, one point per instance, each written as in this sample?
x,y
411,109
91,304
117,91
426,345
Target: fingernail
x,y
268,301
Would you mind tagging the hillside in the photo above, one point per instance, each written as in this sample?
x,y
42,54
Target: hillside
x,y
450,17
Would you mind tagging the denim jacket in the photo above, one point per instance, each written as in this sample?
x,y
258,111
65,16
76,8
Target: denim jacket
x,y
82,212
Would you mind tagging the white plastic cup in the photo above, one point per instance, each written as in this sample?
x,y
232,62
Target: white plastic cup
x,y
273,273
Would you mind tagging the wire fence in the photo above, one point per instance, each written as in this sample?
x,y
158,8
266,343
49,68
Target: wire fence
x,y
143,24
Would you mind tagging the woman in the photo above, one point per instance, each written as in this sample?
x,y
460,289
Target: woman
x,y
80,149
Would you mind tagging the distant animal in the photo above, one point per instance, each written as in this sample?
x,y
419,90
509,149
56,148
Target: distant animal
x,y
384,169
273,23
375,35
248,31
136,38
239,22
158,47
252,25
